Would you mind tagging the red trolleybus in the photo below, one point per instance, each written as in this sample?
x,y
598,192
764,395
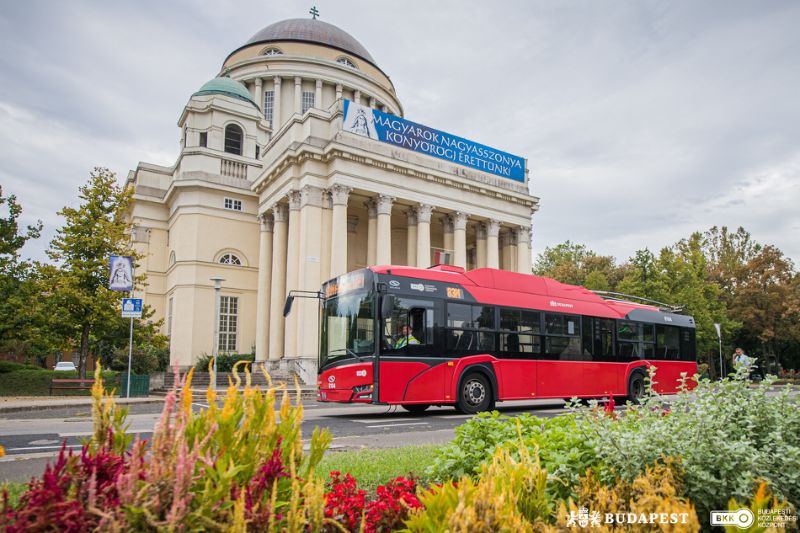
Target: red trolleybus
x,y
443,336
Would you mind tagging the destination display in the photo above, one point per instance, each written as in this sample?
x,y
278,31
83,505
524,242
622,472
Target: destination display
x,y
397,131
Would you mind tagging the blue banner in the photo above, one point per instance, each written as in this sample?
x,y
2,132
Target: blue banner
x,y
391,129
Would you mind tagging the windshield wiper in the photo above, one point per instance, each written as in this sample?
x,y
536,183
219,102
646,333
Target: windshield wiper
x,y
349,352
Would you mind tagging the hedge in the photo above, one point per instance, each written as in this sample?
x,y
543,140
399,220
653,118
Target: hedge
x,y
34,381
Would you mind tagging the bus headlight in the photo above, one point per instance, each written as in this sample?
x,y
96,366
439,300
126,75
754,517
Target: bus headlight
x,y
362,390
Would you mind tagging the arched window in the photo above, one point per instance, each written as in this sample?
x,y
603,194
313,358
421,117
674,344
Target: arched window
x,y
346,62
233,139
272,52
230,259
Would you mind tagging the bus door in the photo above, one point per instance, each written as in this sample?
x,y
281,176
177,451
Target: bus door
x,y
409,371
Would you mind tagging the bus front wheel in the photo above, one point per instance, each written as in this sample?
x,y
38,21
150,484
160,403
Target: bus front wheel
x,y
475,394
415,408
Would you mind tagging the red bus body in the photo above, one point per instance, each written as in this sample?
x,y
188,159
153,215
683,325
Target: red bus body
x,y
556,365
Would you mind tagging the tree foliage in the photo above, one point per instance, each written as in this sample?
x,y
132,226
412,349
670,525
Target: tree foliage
x,y
92,232
17,280
720,276
45,308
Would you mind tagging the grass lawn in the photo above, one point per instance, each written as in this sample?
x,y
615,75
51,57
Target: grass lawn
x,y
373,467
15,490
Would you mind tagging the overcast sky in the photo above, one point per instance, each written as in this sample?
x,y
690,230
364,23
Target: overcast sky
x,y
641,121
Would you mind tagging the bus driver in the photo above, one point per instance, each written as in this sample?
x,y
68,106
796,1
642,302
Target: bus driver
x,y
406,337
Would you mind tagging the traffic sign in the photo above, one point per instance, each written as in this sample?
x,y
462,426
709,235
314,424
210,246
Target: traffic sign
x,y
131,308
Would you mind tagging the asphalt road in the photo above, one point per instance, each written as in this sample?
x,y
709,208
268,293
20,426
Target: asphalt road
x,y
30,440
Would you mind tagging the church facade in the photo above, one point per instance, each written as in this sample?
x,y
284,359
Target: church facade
x,y
296,166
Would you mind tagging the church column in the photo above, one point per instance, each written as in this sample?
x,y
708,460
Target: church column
x,y
424,235
512,250
372,226
492,252
280,217
480,245
263,295
338,91
411,243
340,195
258,98
524,250
505,249
309,274
292,272
357,96
372,102
298,95
318,95
447,226
383,249
276,106
460,239
327,223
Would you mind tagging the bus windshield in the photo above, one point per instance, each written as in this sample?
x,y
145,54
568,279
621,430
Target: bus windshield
x,y
347,327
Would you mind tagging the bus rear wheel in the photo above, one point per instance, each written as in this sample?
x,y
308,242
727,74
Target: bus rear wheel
x,y
475,394
415,408
636,387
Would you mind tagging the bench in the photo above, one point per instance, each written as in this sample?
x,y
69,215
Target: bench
x,y
70,384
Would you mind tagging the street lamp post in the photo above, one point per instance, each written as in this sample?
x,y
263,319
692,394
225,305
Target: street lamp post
x,y
215,348
719,336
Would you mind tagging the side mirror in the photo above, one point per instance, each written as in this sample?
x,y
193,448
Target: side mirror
x,y
387,305
287,307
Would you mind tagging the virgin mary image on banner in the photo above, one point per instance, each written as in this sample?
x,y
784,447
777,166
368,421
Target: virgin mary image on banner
x,y
120,273
359,119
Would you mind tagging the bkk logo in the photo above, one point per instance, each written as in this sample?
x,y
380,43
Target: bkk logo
x,y
743,518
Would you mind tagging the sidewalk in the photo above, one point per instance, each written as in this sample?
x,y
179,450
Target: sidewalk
x,y
22,404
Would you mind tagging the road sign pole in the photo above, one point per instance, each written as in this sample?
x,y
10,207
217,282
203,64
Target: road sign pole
x,y
718,327
130,340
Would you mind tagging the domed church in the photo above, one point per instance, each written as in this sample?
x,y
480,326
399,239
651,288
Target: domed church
x,y
297,165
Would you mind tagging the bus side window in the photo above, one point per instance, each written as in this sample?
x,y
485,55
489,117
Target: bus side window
x,y
421,322
688,352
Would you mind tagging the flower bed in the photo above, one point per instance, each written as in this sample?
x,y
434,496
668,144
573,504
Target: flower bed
x,y
240,466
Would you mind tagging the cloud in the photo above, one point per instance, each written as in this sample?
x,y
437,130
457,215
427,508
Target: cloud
x,y
641,122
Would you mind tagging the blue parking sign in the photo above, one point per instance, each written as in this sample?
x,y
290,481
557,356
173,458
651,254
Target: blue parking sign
x,y
131,308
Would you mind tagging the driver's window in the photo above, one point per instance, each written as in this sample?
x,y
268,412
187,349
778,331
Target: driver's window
x,y
410,324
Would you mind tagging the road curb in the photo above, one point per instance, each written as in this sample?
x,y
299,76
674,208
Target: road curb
x,y
52,407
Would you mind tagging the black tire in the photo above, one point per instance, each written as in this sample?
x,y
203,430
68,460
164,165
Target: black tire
x,y
475,394
636,387
415,408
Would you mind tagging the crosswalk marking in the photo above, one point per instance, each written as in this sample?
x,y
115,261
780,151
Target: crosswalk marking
x,y
379,420
402,424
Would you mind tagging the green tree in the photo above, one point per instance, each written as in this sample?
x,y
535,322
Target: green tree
x,y
92,232
17,286
678,276
576,264
763,300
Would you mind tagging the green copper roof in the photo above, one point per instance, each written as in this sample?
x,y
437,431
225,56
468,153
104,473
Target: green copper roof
x,y
228,87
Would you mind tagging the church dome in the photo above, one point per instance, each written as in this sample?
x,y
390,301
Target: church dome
x,y
227,87
311,31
